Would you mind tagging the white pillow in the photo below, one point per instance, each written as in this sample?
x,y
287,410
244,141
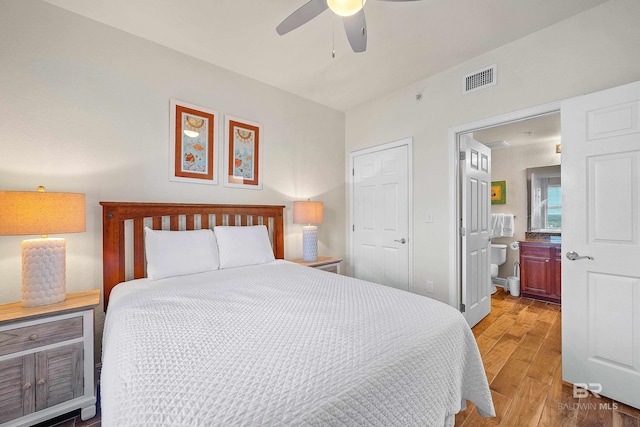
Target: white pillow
x,y
240,246
174,253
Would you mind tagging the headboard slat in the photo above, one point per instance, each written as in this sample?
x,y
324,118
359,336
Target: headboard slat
x,y
114,215
121,258
174,223
138,248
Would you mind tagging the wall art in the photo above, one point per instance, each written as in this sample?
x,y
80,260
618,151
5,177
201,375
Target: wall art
x,y
498,192
243,154
192,145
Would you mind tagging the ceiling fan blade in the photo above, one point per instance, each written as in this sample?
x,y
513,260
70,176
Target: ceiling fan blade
x,y
356,28
304,14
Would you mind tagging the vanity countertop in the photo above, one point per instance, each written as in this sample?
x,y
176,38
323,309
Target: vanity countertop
x,y
542,237
545,241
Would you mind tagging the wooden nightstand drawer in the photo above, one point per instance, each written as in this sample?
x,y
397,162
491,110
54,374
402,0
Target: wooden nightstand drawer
x,y
29,337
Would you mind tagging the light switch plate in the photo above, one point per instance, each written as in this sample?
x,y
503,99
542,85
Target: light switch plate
x,y
430,286
430,215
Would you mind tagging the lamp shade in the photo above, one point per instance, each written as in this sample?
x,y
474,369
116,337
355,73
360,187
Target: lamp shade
x,y
37,212
308,212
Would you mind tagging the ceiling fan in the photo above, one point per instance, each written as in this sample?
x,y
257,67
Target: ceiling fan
x,y
351,11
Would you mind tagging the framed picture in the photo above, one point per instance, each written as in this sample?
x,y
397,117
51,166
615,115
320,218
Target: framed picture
x,y
243,154
498,192
192,145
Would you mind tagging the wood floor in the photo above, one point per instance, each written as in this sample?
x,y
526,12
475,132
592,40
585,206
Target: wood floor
x,y
520,344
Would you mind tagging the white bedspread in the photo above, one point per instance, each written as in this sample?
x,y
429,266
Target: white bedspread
x,y
282,344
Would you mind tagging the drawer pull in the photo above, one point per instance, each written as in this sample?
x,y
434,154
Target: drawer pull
x,y
40,382
27,386
33,337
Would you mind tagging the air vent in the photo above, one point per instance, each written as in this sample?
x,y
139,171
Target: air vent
x,y
480,79
497,144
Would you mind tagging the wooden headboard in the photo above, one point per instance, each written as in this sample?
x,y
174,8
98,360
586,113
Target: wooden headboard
x,y
171,216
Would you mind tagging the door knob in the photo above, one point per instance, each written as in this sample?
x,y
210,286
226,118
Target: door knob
x,y
573,256
403,241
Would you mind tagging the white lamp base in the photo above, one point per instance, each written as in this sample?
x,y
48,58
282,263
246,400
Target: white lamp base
x,y
310,243
43,272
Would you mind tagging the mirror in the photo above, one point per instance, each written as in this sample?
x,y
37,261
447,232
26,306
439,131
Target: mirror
x,y
545,199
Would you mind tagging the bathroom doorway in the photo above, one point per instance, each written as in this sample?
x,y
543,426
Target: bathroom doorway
x,y
514,126
516,148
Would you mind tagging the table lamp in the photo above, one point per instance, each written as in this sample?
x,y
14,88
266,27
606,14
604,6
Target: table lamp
x,y
43,259
308,212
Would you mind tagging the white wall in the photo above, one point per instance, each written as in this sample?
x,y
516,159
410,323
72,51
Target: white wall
x,y
85,108
592,51
510,164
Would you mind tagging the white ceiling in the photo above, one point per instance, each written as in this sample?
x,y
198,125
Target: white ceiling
x,y
407,42
524,132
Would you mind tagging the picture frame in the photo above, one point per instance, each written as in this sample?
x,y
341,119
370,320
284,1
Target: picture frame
x,y
243,154
192,143
498,192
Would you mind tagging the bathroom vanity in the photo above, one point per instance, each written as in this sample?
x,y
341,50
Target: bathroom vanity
x,y
540,251
540,269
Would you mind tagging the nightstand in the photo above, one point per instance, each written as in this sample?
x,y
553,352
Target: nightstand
x,y
325,263
46,360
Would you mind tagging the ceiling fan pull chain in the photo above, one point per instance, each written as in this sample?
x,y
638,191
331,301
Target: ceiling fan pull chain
x,y
362,28
333,36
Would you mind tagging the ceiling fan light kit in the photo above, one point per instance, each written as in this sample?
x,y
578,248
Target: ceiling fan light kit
x,y
345,7
351,11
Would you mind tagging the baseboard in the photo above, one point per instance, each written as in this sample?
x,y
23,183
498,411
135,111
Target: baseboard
x,y
499,281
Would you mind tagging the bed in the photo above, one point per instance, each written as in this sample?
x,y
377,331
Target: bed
x,y
256,340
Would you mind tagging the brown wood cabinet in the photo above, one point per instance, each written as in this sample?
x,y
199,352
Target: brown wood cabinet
x,y
46,360
541,270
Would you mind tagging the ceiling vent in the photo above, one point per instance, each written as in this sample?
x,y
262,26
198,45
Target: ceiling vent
x,y
480,79
497,144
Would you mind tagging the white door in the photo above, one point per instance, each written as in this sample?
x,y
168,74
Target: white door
x,y
475,179
601,220
381,237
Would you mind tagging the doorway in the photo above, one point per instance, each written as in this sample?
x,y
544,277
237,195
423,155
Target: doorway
x,y
482,128
517,149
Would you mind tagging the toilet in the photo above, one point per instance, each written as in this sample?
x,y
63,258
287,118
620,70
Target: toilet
x,y
498,257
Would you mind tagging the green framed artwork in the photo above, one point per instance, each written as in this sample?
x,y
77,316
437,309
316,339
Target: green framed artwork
x,y
498,192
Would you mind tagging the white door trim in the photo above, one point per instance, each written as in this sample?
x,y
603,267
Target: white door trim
x,y
409,143
454,184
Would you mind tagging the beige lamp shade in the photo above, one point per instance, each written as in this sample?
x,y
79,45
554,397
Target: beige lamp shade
x,y
37,212
308,212
43,259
